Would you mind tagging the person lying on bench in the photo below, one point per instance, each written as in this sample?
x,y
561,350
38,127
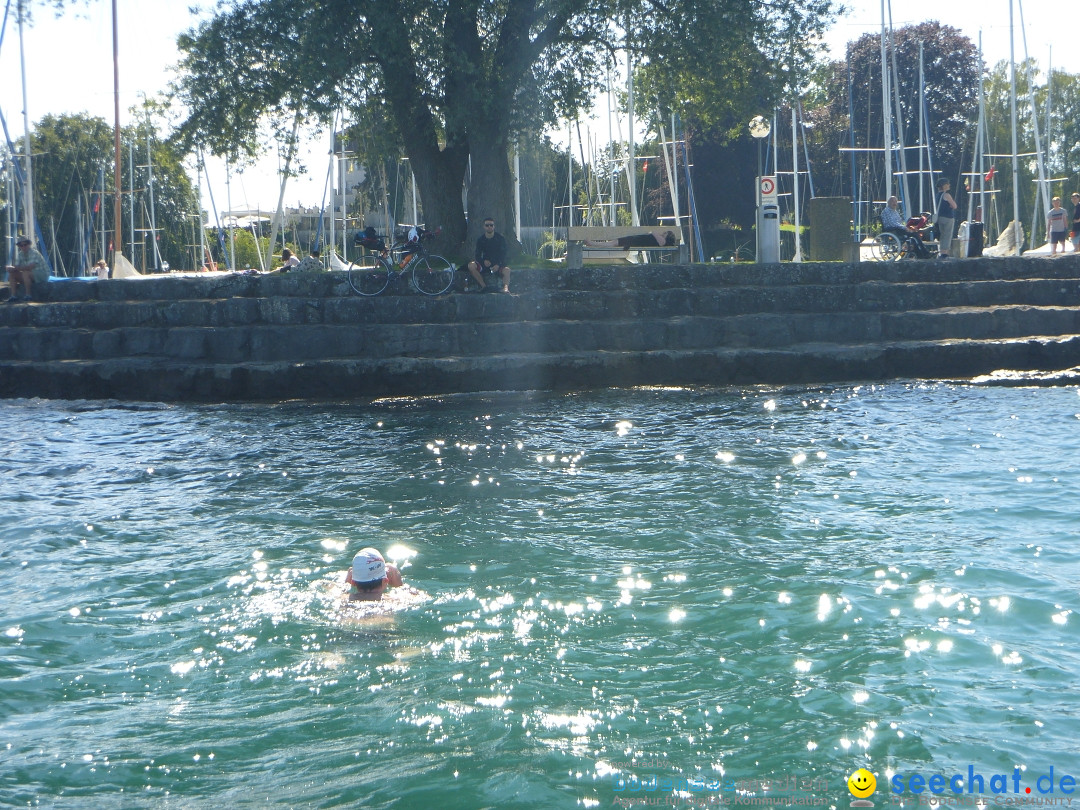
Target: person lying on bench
x,y
640,240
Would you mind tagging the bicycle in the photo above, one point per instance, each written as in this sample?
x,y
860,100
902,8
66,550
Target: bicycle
x,y
431,274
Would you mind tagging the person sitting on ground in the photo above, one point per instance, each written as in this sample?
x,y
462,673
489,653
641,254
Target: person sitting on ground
x,y
288,261
312,263
639,240
891,220
31,269
490,261
370,576
1057,226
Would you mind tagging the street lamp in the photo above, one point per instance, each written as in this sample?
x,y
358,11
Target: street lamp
x,y
768,224
760,129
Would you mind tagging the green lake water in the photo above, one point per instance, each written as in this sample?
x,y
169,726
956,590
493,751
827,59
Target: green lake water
x,y
736,585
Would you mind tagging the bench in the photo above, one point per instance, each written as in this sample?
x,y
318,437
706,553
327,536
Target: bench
x,y
576,247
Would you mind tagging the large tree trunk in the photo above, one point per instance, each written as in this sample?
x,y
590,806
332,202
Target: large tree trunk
x,y
439,176
491,187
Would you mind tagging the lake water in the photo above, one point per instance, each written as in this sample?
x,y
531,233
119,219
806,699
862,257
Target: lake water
x,y
726,585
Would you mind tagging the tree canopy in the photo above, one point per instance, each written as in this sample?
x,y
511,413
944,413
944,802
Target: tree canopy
x,y
457,79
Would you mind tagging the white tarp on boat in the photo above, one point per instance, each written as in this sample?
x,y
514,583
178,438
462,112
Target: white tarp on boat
x,y
122,268
1008,243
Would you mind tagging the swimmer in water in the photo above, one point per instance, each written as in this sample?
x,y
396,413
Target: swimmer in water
x,y
370,576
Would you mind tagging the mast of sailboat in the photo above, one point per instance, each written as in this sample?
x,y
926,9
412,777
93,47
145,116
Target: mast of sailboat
x,y
795,181
611,147
131,198
631,174
333,194
895,89
975,175
1044,183
922,140
28,186
117,182
885,116
150,187
341,179
1012,114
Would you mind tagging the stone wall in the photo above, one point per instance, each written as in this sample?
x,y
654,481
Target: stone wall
x,y
239,337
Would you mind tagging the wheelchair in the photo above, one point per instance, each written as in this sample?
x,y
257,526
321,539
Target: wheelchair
x,y
916,242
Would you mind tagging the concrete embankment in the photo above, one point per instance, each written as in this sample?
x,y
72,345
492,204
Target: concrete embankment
x,y
238,337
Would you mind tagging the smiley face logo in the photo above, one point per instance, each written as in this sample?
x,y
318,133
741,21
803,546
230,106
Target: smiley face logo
x,y
861,783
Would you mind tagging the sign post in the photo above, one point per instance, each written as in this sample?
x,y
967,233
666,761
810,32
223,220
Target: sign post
x,y
765,194
768,221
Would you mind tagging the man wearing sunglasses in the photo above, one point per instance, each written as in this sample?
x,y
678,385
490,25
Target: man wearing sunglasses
x,y
489,267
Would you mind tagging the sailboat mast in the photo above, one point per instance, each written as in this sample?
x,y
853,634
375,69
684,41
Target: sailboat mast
x,y
117,182
795,182
28,186
887,129
630,173
923,141
1012,113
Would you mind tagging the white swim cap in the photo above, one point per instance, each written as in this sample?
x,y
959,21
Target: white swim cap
x,y
368,566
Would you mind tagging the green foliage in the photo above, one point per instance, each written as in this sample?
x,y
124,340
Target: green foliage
x,y
552,246
73,153
248,250
455,81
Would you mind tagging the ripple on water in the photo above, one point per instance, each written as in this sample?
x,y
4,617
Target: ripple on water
x,y
747,583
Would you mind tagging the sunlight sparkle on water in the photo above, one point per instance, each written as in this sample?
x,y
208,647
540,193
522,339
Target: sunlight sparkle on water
x,y
824,606
400,553
724,456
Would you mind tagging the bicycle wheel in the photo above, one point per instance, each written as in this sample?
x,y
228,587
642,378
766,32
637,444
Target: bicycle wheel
x,y
887,247
369,278
433,275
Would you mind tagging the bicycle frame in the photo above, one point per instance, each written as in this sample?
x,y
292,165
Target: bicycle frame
x,y
431,274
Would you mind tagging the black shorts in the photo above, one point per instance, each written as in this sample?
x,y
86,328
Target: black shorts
x,y
1058,237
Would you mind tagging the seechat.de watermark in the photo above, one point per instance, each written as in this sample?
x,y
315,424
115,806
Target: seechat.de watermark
x,y
972,788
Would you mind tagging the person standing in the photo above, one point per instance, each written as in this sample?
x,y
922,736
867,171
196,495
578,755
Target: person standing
x,y
490,259
1057,226
1076,222
30,269
945,217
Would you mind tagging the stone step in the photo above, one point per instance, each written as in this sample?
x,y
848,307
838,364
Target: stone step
x,y
299,342
152,379
590,279
534,306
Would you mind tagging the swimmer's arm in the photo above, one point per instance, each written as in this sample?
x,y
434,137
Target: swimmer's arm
x,y
393,576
